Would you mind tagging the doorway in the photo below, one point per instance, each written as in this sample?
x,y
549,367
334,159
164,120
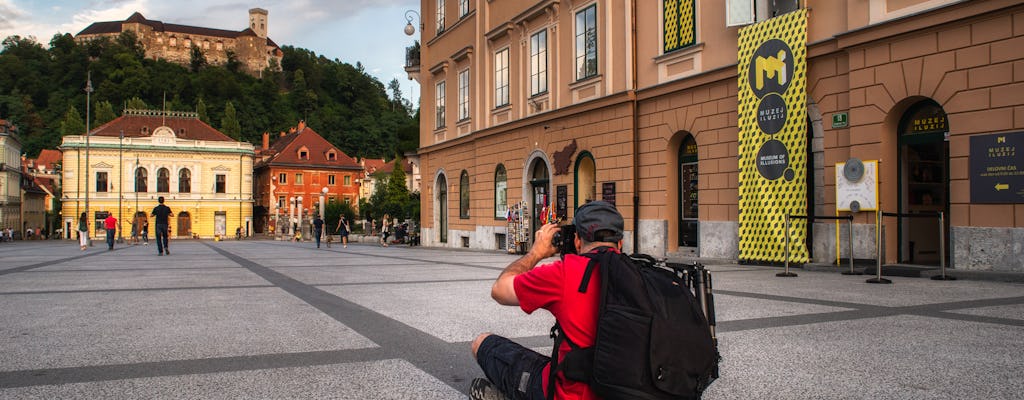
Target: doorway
x,y
539,180
442,208
924,183
689,225
184,225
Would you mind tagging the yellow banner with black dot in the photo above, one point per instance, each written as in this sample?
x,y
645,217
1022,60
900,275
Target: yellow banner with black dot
x,y
773,157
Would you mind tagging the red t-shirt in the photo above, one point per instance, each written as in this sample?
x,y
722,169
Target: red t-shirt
x,y
110,222
555,287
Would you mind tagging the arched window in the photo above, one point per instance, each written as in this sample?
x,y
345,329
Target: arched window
x,y
184,181
140,180
500,192
163,180
586,179
464,195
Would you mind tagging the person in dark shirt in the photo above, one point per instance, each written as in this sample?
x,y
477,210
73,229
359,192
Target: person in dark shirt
x,y
161,212
318,229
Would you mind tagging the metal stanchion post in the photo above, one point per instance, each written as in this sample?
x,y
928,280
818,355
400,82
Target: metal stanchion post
x,y
849,245
878,246
786,274
942,251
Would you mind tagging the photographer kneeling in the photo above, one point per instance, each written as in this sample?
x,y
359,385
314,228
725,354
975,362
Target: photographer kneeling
x,y
516,372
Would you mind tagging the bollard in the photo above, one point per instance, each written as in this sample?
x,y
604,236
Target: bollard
x,y
786,274
849,245
878,248
942,251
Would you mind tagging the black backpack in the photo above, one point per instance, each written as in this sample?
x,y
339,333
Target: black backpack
x,y
653,339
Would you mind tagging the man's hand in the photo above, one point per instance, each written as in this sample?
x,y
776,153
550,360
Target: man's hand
x,y
503,291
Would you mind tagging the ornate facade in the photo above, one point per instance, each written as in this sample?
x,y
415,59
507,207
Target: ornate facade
x,y
250,46
204,176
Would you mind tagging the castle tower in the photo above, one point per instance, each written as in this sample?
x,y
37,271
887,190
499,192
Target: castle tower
x,y
258,21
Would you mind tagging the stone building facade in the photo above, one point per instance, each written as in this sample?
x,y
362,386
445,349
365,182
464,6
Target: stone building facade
x,y
204,176
172,42
559,102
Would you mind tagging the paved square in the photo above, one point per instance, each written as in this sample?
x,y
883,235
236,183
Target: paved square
x,y
267,319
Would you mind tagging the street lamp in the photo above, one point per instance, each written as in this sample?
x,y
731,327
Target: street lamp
x,y
120,186
323,216
409,28
298,213
136,216
88,97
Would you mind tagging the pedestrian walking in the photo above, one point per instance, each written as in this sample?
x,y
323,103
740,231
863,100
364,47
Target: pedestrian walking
x,y
161,213
384,232
83,231
135,231
318,229
111,225
343,231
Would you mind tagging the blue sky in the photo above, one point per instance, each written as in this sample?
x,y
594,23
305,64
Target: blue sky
x,y
367,31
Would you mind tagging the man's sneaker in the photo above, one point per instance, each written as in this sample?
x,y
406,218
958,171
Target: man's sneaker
x,y
483,389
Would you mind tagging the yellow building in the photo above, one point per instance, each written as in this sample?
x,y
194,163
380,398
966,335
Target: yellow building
x,y
204,175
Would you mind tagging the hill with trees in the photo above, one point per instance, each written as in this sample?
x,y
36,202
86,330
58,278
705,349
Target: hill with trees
x,y
42,91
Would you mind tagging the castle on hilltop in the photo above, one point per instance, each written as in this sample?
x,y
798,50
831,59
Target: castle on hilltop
x,y
251,47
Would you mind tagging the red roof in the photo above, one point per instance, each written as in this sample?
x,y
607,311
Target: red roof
x,y
48,158
288,148
390,166
142,124
373,165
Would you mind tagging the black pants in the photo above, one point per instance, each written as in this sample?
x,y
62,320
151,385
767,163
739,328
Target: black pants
x,y
516,370
161,238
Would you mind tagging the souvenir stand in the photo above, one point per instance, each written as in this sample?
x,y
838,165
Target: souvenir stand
x,y
518,236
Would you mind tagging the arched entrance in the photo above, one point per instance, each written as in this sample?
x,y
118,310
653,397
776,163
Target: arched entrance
x,y
688,205
923,181
441,208
184,224
539,180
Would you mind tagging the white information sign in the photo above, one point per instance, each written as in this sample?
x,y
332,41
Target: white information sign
x,y
863,191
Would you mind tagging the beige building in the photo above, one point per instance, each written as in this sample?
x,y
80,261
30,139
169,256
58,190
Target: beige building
x,y
640,102
10,176
204,176
172,42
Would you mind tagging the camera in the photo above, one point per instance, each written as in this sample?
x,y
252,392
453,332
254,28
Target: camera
x,y
565,240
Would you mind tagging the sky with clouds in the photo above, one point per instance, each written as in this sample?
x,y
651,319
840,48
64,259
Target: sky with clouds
x,y
367,31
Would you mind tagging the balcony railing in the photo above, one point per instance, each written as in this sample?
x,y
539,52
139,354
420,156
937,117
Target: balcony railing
x,y
412,56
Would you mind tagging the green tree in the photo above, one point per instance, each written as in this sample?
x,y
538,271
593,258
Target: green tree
x,y
197,60
72,123
136,103
201,110
229,124
104,112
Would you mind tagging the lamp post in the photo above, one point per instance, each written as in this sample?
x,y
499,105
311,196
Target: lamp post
x,y
323,215
88,100
273,204
135,217
291,215
120,185
298,213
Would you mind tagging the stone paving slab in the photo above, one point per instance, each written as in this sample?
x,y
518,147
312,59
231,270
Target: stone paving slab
x,y
852,289
79,329
343,275
1015,311
453,312
385,380
905,357
732,308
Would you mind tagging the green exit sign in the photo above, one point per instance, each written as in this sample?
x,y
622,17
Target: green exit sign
x,y
840,120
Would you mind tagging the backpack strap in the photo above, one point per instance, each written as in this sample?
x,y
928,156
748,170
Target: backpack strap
x,y
590,267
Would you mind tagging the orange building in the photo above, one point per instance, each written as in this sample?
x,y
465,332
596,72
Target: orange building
x,y
300,165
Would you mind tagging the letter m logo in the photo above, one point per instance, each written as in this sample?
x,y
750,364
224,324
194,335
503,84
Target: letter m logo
x,y
772,67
